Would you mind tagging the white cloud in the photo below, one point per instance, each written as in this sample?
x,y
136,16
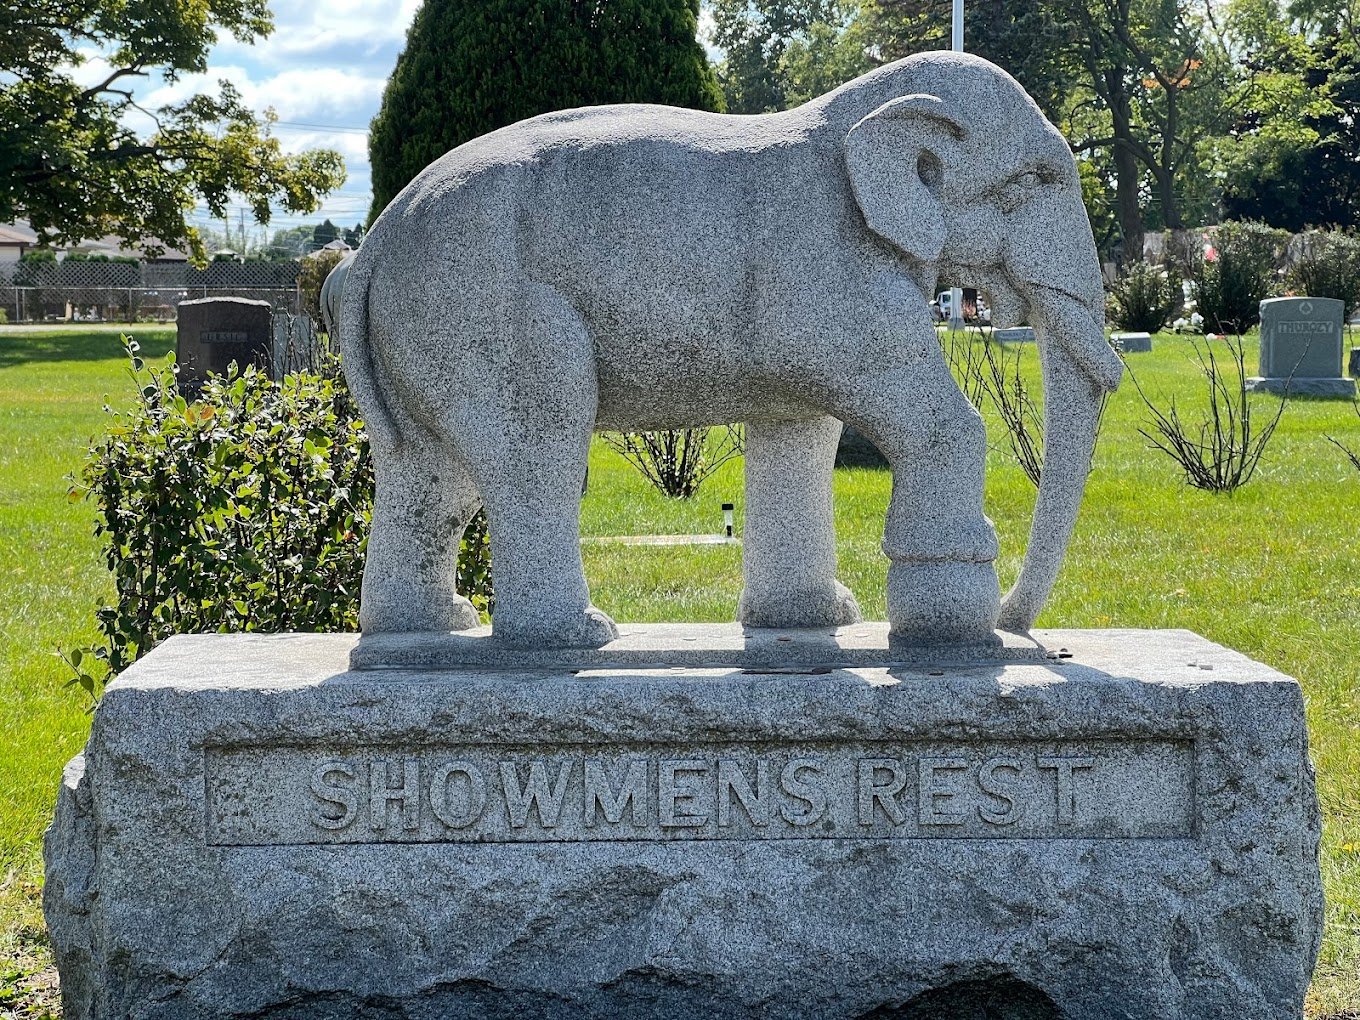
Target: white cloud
x,y
339,29
345,97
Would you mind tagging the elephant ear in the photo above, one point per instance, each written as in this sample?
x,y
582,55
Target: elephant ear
x,y
896,159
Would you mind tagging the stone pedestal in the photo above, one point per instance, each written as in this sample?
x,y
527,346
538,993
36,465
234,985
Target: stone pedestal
x,y
1124,828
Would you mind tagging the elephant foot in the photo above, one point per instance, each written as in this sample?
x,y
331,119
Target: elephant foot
x,y
405,612
943,602
825,606
589,629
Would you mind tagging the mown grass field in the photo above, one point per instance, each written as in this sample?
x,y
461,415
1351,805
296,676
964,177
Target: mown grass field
x,y
1273,570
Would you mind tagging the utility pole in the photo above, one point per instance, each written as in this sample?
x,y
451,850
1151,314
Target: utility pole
x,y
955,293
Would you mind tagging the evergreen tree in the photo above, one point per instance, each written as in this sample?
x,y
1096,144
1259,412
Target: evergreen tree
x,y
324,233
471,66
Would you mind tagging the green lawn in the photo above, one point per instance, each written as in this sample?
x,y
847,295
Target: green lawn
x,y
1273,571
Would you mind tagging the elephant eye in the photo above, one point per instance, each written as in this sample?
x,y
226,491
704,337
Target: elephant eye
x,y
1017,190
930,170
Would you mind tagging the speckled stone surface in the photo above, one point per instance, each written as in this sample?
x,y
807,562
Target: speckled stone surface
x,y
642,267
255,831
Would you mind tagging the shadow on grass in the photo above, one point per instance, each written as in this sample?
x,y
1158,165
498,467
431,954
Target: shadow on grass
x,y
74,345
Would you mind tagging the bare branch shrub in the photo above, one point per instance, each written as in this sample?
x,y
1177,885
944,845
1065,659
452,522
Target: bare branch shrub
x,y
677,461
1023,419
965,360
984,368
1352,455
1221,452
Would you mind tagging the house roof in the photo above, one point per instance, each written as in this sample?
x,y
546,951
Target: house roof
x,y
20,233
17,233
338,244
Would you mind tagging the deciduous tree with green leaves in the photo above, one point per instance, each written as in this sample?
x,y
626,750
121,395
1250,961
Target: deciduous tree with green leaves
x,y
1291,157
471,66
74,163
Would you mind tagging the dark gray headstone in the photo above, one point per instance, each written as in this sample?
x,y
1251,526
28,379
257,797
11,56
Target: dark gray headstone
x,y
1354,367
1014,334
1301,341
214,332
1132,343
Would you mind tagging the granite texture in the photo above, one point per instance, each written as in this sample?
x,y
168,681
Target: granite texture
x,y
641,267
255,831
332,289
689,644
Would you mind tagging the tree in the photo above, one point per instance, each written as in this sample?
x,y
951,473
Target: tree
x,y
1292,156
72,164
781,53
324,233
1152,86
471,66
1029,38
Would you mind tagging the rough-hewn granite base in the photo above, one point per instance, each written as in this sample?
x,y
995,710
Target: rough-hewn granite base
x,y
256,831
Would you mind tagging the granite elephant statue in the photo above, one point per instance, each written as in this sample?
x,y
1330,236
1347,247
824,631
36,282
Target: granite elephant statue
x,y
643,267
331,290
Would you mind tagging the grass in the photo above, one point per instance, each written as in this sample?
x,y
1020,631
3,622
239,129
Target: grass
x,y
1272,570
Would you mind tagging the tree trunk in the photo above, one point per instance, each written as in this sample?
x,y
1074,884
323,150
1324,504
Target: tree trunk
x,y
1127,174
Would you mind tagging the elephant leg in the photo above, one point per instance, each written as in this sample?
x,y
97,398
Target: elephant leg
x,y
424,500
530,465
789,541
942,584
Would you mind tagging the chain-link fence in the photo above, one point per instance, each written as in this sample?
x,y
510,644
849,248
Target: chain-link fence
x,y
131,292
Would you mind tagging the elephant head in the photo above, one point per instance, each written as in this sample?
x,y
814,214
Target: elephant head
x,y
963,175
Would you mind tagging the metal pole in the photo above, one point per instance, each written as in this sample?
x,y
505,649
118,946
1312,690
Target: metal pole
x,y
955,293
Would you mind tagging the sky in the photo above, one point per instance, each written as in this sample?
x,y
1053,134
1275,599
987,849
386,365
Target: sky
x,y
322,71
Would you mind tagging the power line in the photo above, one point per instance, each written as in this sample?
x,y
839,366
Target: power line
x,y
321,127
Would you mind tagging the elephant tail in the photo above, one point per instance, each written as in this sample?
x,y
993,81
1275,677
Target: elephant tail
x,y
356,353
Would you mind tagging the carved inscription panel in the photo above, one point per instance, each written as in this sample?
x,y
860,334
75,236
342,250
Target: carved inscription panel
x,y
1094,789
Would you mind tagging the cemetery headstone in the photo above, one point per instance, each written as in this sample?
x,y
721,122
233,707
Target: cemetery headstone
x,y
1014,334
562,817
1301,348
1353,366
211,333
1132,343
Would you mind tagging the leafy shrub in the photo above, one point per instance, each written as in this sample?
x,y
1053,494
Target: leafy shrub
x,y
1329,266
1238,271
1145,297
1221,451
36,268
247,510
677,461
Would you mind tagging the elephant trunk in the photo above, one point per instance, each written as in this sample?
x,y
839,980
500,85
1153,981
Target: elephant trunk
x,y
1079,366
